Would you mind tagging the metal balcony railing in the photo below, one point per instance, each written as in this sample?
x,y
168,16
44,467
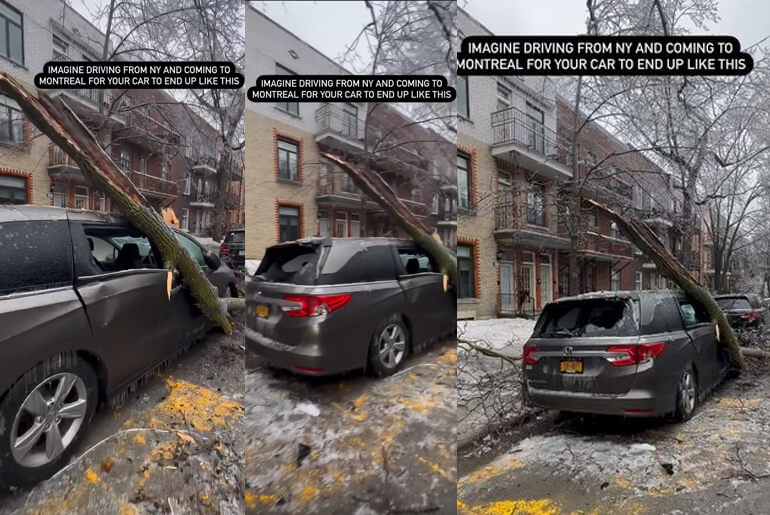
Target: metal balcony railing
x,y
335,118
151,183
512,125
588,241
510,215
57,157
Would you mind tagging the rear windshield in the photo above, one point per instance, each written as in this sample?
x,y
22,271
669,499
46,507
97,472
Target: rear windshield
x,y
734,303
295,264
235,237
340,263
595,317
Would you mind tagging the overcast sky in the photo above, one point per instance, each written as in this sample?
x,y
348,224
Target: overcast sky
x,y
329,26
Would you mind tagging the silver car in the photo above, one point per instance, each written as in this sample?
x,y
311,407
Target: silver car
x,y
321,306
644,354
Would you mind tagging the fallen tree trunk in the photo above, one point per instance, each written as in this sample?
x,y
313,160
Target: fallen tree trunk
x,y
646,240
378,191
65,129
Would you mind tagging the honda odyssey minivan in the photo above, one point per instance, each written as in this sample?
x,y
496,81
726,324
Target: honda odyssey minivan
x,y
644,353
321,306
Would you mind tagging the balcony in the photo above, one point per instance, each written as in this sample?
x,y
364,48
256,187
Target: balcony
x,y
512,225
656,216
60,165
600,247
518,138
334,191
339,129
152,186
204,165
204,200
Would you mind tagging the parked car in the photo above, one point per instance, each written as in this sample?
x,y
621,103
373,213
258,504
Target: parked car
x,y
233,248
85,313
743,311
322,306
644,354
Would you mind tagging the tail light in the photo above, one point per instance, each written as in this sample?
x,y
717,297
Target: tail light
x,y
224,250
750,316
624,355
528,355
315,305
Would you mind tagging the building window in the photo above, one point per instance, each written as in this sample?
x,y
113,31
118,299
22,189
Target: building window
x,y
466,276
614,230
536,205
536,123
503,97
289,107
11,120
323,225
355,225
11,33
100,201
143,164
13,190
184,220
434,204
350,121
463,182
165,173
124,160
58,198
346,183
288,221
463,107
81,197
638,282
614,280
341,225
187,184
288,154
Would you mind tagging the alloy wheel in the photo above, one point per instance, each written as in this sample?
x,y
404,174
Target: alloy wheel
x,y
688,392
391,345
49,420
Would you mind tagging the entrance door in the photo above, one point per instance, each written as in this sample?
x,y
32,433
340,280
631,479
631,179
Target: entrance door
x,y
507,303
546,285
527,292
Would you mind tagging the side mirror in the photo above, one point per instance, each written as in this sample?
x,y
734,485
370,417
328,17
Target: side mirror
x,y
212,260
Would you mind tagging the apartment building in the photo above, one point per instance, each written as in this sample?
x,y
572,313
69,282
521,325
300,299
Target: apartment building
x,y
167,151
294,193
510,162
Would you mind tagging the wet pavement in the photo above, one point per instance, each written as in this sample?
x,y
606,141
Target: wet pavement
x,y
353,443
718,462
174,446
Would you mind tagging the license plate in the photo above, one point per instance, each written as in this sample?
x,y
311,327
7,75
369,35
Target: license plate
x,y
571,367
263,310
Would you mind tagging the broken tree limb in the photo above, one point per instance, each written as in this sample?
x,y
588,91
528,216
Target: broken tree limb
x,y
647,241
377,190
65,129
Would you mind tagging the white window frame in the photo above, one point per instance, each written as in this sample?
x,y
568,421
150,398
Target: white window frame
x,y
81,197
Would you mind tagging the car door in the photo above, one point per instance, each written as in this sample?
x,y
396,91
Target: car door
x,y
126,299
422,285
701,330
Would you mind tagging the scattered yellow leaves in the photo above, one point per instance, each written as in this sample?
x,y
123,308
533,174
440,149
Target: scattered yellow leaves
x,y
512,507
199,407
491,470
92,476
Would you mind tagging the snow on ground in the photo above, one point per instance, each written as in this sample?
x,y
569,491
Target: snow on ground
x,y
488,389
252,265
503,334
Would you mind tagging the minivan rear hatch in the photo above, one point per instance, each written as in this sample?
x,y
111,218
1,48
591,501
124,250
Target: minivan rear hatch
x,y
582,346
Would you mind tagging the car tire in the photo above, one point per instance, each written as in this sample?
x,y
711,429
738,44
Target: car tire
x,y
30,410
389,346
686,395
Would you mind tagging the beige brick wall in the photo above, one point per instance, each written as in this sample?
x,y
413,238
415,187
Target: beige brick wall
x,y
29,161
263,189
479,225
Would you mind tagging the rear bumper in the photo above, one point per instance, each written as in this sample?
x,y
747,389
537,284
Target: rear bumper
x,y
307,358
634,403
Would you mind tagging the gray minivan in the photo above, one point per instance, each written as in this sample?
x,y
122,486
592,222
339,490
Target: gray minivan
x,y
322,306
643,353
84,314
